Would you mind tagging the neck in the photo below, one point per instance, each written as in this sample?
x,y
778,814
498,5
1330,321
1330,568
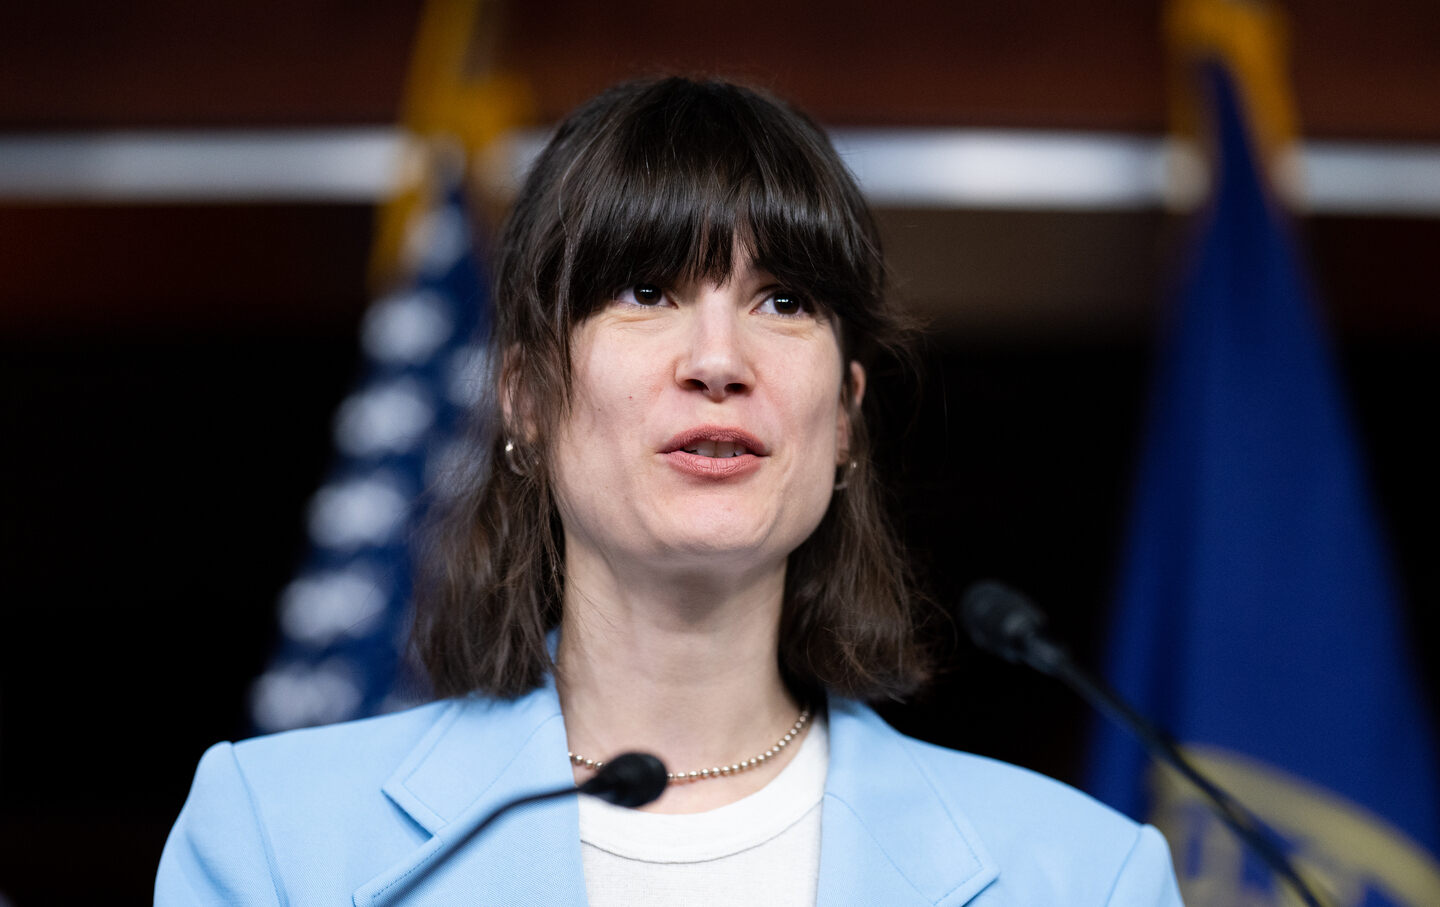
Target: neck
x,y
682,666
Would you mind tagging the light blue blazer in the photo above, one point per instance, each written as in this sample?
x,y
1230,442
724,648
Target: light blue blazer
x,y
370,812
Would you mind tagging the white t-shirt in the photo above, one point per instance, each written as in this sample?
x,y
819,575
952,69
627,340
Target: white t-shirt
x,y
762,849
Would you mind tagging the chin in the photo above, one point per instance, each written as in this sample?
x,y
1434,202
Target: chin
x,y
701,537
731,545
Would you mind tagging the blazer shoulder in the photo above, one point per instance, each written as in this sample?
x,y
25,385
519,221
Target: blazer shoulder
x,y
1050,831
1034,839
990,789
987,791
218,850
287,815
363,751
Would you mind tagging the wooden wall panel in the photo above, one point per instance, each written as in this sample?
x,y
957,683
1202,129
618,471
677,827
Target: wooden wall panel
x,y
128,269
228,63
1367,70
1024,63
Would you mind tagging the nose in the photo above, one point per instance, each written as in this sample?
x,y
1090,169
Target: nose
x,y
715,361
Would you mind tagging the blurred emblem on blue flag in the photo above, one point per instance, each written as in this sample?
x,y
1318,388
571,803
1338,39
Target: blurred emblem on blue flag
x,y
1257,617
344,617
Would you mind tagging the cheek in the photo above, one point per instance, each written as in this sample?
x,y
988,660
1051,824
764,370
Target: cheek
x,y
606,407
813,403
597,379
610,412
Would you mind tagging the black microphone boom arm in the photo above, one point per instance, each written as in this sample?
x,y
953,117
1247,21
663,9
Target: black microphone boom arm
x,y
1006,623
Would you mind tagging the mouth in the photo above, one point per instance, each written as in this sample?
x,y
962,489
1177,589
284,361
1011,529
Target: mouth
x,y
722,450
715,442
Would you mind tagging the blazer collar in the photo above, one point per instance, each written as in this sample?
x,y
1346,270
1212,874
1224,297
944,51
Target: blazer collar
x,y
480,754
888,834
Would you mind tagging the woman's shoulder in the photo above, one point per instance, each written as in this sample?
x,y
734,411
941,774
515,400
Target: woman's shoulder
x,y
991,788
331,768
1028,832
986,787
364,761
351,749
305,805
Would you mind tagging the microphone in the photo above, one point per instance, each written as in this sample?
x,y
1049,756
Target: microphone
x,y
1004,622
630,779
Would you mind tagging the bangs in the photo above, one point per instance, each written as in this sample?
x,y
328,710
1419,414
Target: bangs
x,y
682,177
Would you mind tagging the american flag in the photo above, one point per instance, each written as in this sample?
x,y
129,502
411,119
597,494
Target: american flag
x,y
344,617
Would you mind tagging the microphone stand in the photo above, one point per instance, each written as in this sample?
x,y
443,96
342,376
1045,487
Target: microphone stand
x,y
506,807
1006,623
1049,658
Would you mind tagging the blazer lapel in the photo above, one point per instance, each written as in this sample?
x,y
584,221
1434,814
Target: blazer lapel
x,y
483,753
887,836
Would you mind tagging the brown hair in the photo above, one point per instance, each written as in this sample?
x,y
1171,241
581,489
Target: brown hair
x,y
658,182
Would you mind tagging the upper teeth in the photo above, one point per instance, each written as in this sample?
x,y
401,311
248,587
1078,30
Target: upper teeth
x,y
718,449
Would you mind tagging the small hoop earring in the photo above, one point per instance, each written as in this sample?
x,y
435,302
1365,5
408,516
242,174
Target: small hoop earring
x,y
514,461
842,480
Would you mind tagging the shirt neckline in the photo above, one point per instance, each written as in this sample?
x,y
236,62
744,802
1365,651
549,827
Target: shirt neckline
x,y
720,832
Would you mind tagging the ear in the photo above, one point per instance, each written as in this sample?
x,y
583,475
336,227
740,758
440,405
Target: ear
x,y
852,394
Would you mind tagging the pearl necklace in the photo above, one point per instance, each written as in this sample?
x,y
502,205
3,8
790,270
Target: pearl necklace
x,y
719,770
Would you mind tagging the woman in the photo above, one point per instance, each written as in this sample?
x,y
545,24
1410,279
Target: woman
x,y
673,546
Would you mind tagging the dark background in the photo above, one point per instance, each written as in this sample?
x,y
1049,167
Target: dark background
x,y
168,372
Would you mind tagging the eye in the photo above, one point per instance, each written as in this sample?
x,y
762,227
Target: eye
x,y
644,294
784,303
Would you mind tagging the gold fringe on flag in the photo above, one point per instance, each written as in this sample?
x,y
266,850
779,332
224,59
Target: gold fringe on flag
x,y
1250,39
456,97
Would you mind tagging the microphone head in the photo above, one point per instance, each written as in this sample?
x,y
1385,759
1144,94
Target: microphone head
x,y
630,779
1002,621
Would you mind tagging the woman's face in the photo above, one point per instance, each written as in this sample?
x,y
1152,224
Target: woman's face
x,y
706,426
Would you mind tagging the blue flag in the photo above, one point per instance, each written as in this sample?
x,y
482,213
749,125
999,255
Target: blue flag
x,y
1257,617
344,618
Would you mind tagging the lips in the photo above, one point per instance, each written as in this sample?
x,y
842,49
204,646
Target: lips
x,y
714,452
